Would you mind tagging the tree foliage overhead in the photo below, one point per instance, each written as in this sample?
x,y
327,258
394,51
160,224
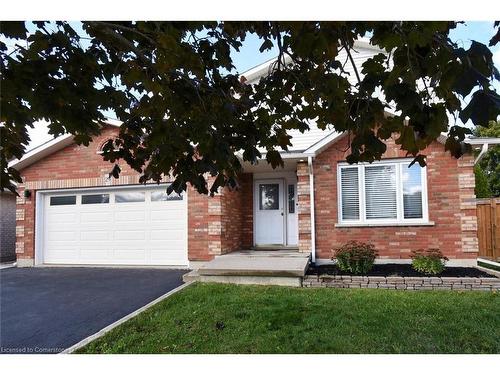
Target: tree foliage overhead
x,y
185,109
488,168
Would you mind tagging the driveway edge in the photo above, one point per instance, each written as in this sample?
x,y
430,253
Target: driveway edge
x,y
108,328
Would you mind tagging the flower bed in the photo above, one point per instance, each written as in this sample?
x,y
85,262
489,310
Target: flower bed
x,y
402,276
403,270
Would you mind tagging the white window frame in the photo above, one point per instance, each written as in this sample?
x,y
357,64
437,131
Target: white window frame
x,y
400,220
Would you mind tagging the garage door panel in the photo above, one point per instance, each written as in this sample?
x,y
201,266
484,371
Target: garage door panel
x,y
162,234
112,233
89,245
63,255
135,215
66,246
174,246
168,228
129,235
95,236
61,235
167,213
96,217
129,254
95,254
63,227
62,217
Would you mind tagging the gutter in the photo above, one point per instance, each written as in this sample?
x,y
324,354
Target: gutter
x,y
311,197
484,142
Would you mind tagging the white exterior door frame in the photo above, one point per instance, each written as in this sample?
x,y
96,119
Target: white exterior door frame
x,y
288,206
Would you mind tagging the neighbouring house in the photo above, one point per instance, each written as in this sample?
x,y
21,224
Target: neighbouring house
x,y
70,212
7,227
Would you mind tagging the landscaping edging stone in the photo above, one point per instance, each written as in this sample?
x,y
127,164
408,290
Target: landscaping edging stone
x,y
405,283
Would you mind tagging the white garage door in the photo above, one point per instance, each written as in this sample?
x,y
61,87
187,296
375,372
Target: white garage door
x,y
136,226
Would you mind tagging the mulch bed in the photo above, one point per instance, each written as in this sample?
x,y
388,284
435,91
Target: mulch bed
x,y
402,270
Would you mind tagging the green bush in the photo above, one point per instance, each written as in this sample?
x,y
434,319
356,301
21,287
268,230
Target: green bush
x,y
429,262
355,257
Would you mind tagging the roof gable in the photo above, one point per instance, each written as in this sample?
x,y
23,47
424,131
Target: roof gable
x,y
50,147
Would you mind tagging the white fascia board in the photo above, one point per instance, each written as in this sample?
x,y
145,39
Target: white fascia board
x,y
319,146
41,151
254,74
482,140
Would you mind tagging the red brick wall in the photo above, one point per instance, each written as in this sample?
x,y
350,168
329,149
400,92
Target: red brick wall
x,y
73,166
450,185
237,216
220,224
197,226
216,225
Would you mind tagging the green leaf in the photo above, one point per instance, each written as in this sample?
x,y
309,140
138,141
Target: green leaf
x,y
267,45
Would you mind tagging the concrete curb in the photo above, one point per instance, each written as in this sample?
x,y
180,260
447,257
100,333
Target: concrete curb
x,y
108,328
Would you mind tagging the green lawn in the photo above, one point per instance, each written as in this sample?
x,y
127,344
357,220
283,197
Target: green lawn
x,y
217,318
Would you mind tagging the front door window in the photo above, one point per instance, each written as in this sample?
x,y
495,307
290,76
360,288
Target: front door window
x,y
269,196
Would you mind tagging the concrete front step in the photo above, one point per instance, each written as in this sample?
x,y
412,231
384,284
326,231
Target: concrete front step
x,y
244,280
233,265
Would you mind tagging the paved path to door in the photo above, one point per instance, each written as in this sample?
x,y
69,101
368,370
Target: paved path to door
x,y
46,310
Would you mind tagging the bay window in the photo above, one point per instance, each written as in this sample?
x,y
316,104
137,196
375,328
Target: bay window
x,y
385,192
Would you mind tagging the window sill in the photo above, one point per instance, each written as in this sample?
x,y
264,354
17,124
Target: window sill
x,y
354,225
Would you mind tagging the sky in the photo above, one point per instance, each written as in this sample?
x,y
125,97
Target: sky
x,y
249,56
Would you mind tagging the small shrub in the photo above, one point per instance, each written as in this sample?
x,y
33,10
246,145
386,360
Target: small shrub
x,y
355,257
429,262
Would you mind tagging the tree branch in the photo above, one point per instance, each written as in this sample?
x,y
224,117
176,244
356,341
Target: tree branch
x,y
124,41
347,49
124,28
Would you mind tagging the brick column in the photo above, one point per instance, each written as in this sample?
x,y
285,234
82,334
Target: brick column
x,y
468,213
304,207
25,225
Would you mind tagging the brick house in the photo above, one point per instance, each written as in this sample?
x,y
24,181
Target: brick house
x,y
71,212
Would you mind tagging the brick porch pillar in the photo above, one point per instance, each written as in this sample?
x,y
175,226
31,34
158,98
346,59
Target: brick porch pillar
x,y
468,213
304,207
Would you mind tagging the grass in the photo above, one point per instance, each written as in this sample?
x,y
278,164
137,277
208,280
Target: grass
x,y
218,318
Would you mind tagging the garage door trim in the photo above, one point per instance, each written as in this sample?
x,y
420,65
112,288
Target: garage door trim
x,y
41,197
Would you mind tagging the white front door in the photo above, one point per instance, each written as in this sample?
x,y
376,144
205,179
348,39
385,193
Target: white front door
x,y
269,212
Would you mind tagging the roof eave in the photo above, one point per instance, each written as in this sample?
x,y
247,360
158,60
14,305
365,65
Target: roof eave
x,y
50,147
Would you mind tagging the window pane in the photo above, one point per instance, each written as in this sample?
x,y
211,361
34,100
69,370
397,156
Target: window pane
x,y
63,200
291,199
95,198
269,196
157,196
412,191
350,193
129,197
380,192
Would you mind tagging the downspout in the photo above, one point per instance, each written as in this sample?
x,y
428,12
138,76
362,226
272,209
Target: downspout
x,y
311,197
484,150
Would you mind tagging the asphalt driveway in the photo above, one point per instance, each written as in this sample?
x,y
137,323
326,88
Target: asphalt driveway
x,y
46,310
